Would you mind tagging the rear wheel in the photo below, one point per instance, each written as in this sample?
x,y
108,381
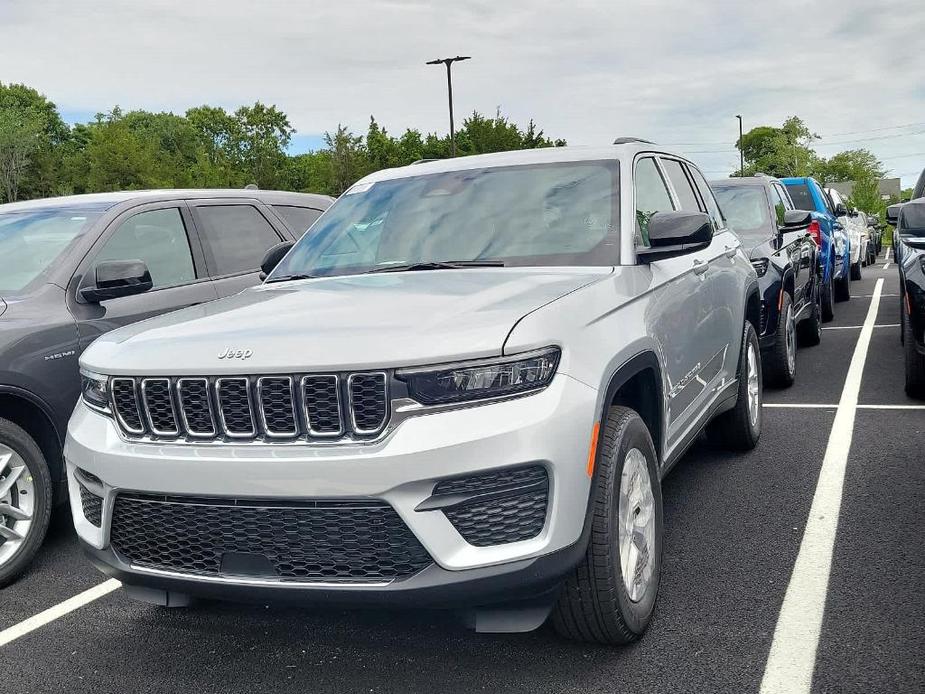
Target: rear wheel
x,y
780,361
610,596
740,428
915,361
809,330
25,500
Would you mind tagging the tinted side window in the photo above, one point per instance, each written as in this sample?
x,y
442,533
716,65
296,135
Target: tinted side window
x,y
801,196
651,196
707,194
682,186
784,197
780,207
298,218
157,237
234,237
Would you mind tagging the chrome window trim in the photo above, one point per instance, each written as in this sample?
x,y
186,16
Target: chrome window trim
x,y
313,433
115,409
186,427
173,409
353,421
263,417
250,408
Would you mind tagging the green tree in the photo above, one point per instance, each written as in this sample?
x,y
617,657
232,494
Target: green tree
x,y
263,133
780,152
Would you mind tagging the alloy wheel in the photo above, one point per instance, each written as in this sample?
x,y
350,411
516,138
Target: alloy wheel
x,y
791,341
754,389
17,502
636,517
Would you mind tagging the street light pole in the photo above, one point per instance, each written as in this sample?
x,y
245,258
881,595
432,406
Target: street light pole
x,y
449,88
741,153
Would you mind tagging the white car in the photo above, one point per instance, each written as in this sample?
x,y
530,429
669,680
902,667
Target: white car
x,y
856,228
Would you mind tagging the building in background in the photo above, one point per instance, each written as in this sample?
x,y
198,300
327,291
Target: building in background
x,y
888,187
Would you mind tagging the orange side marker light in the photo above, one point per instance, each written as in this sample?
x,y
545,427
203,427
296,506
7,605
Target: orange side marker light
x,y
592,451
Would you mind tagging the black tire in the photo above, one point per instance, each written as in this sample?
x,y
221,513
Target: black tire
x,y
15,438
594,604
842,289
856,271
780,361
809,330
735,429
902,319
915,362
827,300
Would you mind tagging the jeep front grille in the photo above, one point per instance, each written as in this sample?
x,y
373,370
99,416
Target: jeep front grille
x,y
267,408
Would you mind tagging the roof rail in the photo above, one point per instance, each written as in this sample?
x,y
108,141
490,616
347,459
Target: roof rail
x,y
627,140
421,161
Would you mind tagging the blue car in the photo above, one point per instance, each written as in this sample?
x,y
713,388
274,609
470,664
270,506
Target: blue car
x,y
830,235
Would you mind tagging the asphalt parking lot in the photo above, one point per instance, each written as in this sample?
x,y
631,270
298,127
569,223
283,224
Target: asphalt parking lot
x,y
734,527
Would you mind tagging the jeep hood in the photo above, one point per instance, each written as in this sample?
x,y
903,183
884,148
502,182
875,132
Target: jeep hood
x,y
340,323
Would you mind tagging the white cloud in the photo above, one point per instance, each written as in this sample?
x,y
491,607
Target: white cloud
x,y
671,70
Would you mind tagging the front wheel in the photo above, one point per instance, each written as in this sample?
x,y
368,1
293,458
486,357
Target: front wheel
x,y
25,500
780,362
739,429
843,289
915,361
809,330
610,596
827,301
856,271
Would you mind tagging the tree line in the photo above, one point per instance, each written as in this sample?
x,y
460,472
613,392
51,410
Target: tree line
x,y
787,151
209,147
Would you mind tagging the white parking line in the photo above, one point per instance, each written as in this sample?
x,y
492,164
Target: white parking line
x,y
816,406
52,613
792,659
858,327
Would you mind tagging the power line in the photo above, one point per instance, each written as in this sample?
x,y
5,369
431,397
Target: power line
x,y
872,130
871,139
821,137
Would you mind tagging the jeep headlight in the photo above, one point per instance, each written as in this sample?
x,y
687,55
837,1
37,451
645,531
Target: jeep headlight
x,y
94,389
482,379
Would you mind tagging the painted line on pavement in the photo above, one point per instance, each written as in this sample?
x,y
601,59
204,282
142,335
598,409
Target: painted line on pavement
x,y
817,406
52,613
858,327
792,658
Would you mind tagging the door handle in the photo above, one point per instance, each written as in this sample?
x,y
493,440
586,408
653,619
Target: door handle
x,y
731,251
701,267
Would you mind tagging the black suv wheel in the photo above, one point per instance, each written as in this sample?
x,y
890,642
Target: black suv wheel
x,y
740,428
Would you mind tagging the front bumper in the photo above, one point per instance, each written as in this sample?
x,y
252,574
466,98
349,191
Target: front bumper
x,y
551,428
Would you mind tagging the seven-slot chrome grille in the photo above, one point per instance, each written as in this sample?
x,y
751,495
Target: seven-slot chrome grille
x,y
267,408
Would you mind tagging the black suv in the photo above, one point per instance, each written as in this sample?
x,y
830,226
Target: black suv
x,y
786,258
72,268
909,244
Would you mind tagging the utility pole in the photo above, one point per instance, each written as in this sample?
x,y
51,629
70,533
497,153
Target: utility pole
x,y
741,154
449,87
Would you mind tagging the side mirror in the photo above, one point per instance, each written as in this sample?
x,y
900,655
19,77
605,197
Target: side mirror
x,y
272,257
796,220
117,278
841,210
892,214
676,233
854,212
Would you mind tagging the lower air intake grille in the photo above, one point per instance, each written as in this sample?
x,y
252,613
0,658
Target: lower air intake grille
x,y
505,506
92,506
338,541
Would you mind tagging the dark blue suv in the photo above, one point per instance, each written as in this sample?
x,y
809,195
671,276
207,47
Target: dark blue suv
x,y
831,238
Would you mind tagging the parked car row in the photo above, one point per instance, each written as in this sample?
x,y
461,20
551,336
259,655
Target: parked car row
x,y
909,254
461,388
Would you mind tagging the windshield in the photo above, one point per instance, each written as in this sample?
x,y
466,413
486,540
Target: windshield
x,y
30,241
746,211
550,214
913,220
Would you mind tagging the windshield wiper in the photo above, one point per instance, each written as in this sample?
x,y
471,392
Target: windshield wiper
x,y
437,265
287,278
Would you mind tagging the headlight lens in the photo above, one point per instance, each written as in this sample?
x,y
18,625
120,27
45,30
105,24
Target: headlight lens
x,y
480,380
761,266
94,389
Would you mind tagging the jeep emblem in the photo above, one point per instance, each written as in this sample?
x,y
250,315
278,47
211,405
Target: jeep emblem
x,y
231,353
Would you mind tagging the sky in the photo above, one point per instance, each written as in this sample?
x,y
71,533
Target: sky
x,y
673,71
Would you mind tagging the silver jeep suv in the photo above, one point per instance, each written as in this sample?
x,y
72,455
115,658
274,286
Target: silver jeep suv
x,y
461,388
